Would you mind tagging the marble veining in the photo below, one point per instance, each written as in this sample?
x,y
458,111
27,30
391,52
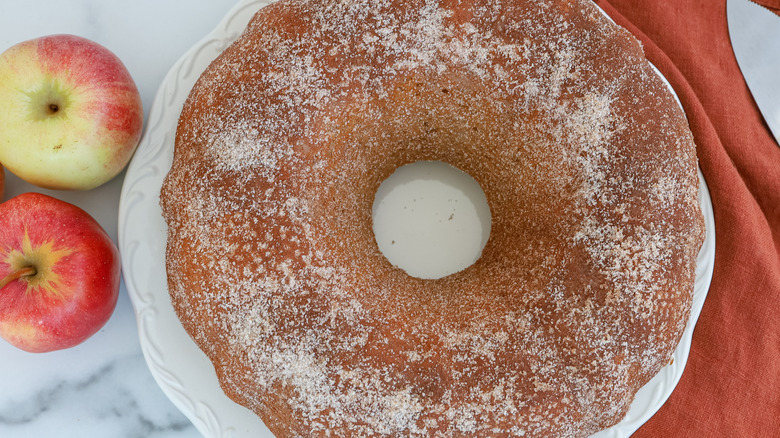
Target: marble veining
x,y
110,401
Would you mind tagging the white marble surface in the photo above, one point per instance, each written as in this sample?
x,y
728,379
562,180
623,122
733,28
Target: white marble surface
x,y
101,388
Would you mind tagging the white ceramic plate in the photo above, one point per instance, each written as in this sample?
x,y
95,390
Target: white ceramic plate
x,y
183,372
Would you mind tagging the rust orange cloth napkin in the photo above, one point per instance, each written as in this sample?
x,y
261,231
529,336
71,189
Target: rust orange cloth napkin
x,y
731,384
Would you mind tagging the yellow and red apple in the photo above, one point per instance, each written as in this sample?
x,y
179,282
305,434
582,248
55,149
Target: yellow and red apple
x,y
2,182
70,113
59,273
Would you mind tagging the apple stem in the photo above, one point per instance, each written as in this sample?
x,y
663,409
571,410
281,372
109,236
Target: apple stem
x,y
27,271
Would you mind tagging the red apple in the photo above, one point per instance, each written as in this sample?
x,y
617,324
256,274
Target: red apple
x,y
59,273
70,114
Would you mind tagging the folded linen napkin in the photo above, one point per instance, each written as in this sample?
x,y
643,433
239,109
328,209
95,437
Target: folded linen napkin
x,y
731,384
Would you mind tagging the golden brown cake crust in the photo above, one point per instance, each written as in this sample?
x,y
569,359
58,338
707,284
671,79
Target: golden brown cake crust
x,y
582,291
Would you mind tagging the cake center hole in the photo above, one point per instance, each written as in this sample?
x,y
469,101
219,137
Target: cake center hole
x,y
431,219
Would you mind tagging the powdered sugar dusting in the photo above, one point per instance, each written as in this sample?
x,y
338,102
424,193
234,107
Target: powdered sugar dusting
x,y
582,291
